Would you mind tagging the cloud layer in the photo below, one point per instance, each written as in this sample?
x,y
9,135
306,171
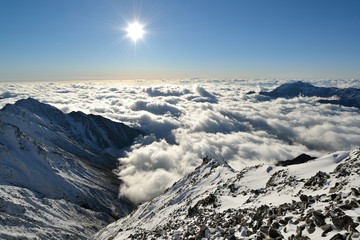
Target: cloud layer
x,y
186,122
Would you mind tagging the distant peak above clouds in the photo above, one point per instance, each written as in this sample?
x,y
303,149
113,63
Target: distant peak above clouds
x,y
300,88
348,97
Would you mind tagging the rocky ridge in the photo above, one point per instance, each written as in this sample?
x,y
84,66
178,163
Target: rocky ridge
x,y
317,199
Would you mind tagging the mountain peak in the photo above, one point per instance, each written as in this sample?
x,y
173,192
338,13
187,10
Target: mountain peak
x,y
37,107
33,106
349,97
213,163
298,84
94,131
295,89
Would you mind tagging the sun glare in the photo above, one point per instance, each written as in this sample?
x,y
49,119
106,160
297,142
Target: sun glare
x,y
135,31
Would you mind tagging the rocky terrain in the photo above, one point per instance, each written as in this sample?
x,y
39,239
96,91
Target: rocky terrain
x,y
313,199
56,172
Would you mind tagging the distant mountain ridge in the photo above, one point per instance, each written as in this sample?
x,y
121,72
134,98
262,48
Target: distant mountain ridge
x,y
349,97
55,172
85,131
95,130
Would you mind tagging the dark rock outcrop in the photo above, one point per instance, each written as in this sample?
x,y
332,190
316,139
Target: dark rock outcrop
x,y
303,158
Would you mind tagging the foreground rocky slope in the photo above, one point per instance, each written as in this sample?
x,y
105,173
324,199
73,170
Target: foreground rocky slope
x,y
55,173
318,199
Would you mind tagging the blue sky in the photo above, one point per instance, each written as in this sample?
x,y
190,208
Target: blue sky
x,y
80,40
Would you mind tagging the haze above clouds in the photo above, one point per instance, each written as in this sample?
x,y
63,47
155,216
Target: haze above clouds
x,y
188,121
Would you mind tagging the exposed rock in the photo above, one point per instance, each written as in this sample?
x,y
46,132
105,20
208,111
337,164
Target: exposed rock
x,y
342,222
275,225
354,204
318,180
206,160
299,230
303,238
203,232
192,211
304,198
355,191
338,237
232,237
272,181
311,228
346,206
232,188
264,229
273,233
326,228
211,199
303,158
319,218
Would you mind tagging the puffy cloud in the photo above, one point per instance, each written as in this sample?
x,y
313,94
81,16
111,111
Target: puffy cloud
x,y
203,95
186,122
142,186
212,122
156,108
161,126
161,91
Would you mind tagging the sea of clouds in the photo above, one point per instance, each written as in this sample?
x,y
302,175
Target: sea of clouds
x,y
188,120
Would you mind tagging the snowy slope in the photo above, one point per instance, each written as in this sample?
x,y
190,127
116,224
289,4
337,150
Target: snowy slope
x,y
319,198
52,185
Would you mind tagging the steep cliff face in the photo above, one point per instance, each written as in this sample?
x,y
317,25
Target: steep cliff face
x,y
318,198
56,177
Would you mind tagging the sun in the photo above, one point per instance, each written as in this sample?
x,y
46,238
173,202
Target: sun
x,y
135,31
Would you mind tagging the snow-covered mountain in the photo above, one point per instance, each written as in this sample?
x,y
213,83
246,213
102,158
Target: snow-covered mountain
x,y
56,172
349,97
299,199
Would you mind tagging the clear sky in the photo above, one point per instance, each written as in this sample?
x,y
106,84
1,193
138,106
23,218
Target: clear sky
x,y
86,39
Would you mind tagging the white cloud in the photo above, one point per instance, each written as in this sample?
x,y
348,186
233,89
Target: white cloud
x,y
203,95
160,91
156,108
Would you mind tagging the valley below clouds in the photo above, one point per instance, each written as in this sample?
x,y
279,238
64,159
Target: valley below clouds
x,y
188,120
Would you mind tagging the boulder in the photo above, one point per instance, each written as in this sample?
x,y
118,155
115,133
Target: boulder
x,y
319,218
342,222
